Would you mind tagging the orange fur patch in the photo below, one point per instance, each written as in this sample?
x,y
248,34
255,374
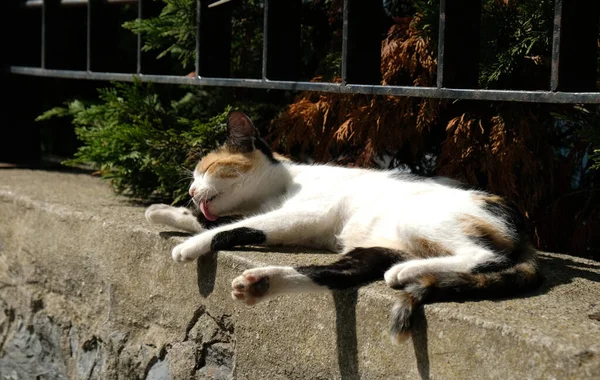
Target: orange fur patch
x,y
428,280
527,269
478,197
477,227
280,157
225,164
424,248
481,280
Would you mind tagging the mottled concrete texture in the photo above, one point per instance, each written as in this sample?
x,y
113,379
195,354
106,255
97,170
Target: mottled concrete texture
x,y
88,291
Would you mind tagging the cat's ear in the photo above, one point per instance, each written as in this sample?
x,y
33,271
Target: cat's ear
x,y
240,132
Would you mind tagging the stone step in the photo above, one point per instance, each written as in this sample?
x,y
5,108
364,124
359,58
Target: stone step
x,y
88,290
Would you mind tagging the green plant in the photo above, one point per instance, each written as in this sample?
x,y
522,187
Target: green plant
x,y
143,144
516,42
172,32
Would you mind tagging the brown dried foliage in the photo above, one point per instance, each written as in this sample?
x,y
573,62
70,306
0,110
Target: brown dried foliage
x,y
406,50
359,128
502,149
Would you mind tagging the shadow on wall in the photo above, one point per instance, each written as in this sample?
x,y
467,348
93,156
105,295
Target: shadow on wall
x,y
345,325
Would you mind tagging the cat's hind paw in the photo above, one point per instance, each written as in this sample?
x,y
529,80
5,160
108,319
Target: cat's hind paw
x,y
401,274
250,287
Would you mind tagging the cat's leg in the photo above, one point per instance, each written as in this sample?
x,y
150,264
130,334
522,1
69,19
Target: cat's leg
x,y
177,217
462,262
273,228
357,267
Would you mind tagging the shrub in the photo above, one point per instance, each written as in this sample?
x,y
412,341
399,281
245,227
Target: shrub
x,y
142,143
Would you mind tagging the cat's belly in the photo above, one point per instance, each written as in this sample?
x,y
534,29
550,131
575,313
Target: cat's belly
x,y
404,232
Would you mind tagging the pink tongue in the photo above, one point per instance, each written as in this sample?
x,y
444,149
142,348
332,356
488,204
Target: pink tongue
x,y
207,214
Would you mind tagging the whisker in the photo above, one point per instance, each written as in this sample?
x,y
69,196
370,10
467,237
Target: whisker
x,y
184,179
216,191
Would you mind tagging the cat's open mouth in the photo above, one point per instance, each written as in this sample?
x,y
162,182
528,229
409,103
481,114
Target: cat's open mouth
x,y
204,208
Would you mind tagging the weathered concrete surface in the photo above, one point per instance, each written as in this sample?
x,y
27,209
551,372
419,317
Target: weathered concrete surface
x,y
88,290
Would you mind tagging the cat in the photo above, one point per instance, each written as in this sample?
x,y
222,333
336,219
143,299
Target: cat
x,y
432,239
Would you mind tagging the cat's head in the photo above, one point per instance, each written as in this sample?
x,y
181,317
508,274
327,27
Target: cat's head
x,y
238,175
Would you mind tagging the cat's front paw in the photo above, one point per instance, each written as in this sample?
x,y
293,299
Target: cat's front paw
x,y
155,213
251,287
178,217
189,250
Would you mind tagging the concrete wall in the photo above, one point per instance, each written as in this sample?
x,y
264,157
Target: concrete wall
x,y
88,291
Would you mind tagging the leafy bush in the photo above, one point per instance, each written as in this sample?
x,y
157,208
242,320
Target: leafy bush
x,y
140,142
172,32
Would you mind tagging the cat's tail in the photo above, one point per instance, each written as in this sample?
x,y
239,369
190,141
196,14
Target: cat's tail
x,y
451,286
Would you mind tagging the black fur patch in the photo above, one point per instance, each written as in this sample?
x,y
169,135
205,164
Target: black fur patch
x,y
516,222
507,211
357,267
208,224
261,145
237,236
492,266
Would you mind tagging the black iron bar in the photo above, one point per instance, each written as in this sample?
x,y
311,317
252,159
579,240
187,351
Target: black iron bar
x,y
361,45
43,51
458,43
138,68
425,92
88,53
345,41
555,46
574,47
197,50
265,51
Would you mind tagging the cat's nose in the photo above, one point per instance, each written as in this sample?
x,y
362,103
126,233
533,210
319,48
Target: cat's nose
x,y
192,191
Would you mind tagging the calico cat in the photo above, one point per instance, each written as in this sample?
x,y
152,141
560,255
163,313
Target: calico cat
x,y
431,239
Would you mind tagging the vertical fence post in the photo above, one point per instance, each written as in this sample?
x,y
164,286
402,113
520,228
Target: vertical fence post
x,y
281,46
43,47
138,56
214,40
88,49
574,47
458,44
361,45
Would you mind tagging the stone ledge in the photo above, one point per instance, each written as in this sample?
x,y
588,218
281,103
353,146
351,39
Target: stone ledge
x,y
88,290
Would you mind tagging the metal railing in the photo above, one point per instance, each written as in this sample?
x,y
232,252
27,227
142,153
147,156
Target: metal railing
x,y
573,62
